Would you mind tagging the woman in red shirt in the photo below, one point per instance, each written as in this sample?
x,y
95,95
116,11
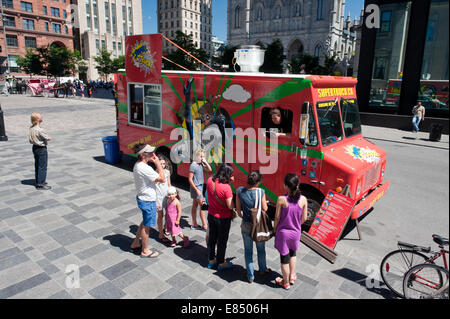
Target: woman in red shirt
x,y
220,198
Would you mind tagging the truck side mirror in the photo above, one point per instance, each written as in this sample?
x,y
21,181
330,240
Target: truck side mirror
x,y
304,123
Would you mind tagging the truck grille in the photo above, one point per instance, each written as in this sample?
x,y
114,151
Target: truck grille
x,y
372,176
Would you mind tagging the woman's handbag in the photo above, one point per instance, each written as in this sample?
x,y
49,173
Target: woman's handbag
x,y
262,229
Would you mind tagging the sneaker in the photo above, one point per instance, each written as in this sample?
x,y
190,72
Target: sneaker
x,y
43,187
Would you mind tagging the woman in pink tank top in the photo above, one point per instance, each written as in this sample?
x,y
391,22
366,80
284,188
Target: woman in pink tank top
x,y
291,213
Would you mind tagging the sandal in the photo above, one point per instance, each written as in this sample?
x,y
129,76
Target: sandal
x,y
173,244
164,239
153,254
293,279
280,282
186,242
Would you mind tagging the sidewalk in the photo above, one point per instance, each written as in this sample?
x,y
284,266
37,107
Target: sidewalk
x,y
374,133
88,220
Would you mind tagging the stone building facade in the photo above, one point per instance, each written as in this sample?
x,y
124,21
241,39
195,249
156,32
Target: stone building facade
x,y
104,24
315,27
192,17
33,24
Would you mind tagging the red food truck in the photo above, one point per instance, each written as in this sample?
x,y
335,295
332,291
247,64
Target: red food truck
x,y
228,114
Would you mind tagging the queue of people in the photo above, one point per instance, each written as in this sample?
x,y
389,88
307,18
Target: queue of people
x,y
156,197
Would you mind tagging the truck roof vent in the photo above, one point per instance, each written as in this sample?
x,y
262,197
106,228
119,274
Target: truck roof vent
x,y
249,58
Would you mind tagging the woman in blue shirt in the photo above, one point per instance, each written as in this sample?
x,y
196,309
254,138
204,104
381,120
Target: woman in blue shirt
x,y
245,200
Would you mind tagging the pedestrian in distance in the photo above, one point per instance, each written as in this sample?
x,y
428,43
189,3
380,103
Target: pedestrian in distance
x,y
145,179
39,138
196,183
172,206
291,213
161,193
220,198
418,116
245,201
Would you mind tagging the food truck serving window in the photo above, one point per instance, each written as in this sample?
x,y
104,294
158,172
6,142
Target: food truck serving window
x,y
329,122
350,117
145,105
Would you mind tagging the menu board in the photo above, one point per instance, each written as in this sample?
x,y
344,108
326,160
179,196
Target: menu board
x,y
331,218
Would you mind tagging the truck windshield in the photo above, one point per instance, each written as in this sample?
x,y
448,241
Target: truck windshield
x,y
350,117
329,122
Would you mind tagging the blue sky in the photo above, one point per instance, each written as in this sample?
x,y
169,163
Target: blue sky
x,y
219,27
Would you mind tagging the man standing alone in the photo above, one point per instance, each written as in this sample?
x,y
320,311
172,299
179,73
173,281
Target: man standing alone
x,y
39,138
418,115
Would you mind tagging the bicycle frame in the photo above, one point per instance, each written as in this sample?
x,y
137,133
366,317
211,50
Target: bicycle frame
x,y
427,282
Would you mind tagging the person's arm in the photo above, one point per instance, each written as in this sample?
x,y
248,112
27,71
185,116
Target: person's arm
x,y
162,177
229,199
238,206
280,203
206,165
168,181
191,182
304,205
264,205
423,114
179,212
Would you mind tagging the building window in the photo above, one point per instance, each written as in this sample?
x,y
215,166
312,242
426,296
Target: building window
x,y
320,9
66,29
12,63
65,14
46,26
9,21
44,10
278,12
8,4
107,20
56,28
28,24
318,51
54,12
88,15
385,21
11,40
26,6
298,10
237,17
114,18
30,42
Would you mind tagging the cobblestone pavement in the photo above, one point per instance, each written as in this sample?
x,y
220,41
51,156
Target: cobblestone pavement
x,y
89,218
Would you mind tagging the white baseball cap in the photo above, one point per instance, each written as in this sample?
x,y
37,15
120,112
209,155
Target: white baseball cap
x,y
146,149
172,190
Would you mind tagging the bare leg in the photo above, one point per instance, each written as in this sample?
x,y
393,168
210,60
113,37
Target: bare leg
x,y
159,221
145,234
292,264
194,212
285,272
135,243
202,214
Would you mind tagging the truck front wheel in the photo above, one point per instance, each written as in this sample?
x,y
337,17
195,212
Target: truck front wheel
x,y
314,202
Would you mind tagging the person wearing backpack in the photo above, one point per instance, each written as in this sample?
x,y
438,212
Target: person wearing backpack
x,y
290,214
246,199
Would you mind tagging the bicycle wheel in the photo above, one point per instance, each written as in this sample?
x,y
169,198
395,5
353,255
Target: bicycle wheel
x,y
394,266
426,281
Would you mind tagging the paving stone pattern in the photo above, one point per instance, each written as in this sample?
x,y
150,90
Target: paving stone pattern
x,y
89,218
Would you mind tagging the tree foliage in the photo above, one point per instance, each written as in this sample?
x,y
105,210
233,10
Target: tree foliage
x,y
51,61
273,59
106,65
179,57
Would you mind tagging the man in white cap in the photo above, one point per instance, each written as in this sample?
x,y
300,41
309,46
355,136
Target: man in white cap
x,y
145,179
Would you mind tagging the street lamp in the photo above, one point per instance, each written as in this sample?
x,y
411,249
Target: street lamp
x,y
346,64
4,33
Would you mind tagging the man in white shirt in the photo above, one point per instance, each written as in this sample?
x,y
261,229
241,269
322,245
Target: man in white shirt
x,y
145,179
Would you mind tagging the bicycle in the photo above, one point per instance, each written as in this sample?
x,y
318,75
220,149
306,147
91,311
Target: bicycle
x,y
428,281
397,263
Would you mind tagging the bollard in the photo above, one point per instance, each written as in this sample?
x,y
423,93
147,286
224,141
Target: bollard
x,y
3,136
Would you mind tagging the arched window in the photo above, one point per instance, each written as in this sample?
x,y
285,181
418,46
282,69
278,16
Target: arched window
x,y
278,12
259,14
318,51
320,9
237,17
298,10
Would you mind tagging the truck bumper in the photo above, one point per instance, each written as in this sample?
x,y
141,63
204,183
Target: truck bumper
x,y
367,203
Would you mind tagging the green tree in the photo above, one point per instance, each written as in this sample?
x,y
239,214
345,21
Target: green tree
x,y
179,57
31,63
60,61
228,56
308,63
104,63
273,59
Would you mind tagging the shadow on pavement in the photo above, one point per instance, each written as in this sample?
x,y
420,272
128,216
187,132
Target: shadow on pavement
x,y
360,279
29,182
